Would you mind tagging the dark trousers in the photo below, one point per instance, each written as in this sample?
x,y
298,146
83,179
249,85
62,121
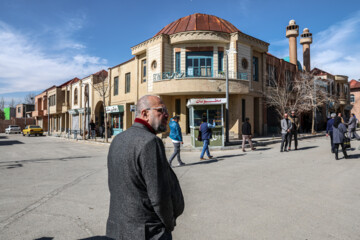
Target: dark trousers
x,y
284,139
337,149
175,153
331,141
291,134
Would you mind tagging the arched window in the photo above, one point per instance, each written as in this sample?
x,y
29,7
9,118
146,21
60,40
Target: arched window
x,y
75,96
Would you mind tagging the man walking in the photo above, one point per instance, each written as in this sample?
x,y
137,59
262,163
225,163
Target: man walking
x,y
329,131
352,127
92,129
206,135
246,134
285,132
176,136
145,195
294,130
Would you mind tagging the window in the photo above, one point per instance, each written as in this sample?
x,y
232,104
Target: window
x,y
244,63
52,100
127,82
243,110
221,61
271,76
177,62
143,63
19,109
255,69
116,86
75,97
338,89
87,90
352,98
199,64
177,106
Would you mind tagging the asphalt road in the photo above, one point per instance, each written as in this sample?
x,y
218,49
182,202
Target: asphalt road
x,y
57,189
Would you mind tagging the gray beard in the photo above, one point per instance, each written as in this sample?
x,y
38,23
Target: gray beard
x,y
160,128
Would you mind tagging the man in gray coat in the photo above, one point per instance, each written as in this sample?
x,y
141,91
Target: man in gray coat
x,y
145,194
352,127
286,127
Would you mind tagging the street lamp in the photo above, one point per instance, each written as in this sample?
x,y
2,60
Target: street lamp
x,y
229,51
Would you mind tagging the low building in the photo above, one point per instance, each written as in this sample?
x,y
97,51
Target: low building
x,y
24,110
355,97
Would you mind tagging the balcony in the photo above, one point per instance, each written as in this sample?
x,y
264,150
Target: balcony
x,y
38,113
199,83
198,74
65,107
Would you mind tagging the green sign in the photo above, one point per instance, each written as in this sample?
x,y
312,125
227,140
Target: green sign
x,y
215,141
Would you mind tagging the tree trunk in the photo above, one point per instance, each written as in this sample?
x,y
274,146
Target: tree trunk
x,y
105,119
313,122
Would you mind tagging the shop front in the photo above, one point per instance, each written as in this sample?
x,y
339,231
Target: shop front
x,y
213,109
75,120
116,115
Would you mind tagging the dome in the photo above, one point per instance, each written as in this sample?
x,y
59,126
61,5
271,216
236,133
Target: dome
x,y
198,22
292,22
298,63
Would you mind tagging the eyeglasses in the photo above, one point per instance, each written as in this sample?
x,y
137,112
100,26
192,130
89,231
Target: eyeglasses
x,y
159,109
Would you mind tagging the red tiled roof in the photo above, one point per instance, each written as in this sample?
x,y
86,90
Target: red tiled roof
x,y
69,82
319,72
354,84
198,22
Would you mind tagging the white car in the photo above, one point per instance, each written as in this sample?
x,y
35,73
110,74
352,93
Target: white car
x,y
13,129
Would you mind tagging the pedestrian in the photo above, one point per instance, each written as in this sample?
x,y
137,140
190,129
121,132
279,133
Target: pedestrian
x,y
145,194
101,130
246,134
294,129
352,127
206,135
109,130
340,116
339,131
176,137
285,132
92,129
329,131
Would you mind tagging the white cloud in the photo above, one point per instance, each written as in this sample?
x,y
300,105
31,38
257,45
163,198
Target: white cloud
x,y
27,66
337,48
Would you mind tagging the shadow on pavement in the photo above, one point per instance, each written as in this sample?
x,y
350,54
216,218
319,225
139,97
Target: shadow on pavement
x,y
305,148
12,142
44,238
230,156
3,137
202,162
97,238
353,156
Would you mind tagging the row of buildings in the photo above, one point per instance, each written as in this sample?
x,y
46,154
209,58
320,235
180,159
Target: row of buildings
x,y
185,63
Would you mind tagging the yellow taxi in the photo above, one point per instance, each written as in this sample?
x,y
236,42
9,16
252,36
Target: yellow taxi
x,y
32,130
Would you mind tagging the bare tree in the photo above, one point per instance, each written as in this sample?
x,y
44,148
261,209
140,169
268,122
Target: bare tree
x,y
304,93
2,103
102,86
12,103
29,98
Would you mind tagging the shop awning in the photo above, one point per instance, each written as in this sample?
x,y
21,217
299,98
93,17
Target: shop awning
x,y
206,101
82,110
73,111
114,109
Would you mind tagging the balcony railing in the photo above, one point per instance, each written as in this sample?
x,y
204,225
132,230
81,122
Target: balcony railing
x,y
199,74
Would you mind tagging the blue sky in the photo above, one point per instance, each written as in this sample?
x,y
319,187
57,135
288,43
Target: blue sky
x,y
45,43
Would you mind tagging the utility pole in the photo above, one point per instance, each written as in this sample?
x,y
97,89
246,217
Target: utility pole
x,y
229,51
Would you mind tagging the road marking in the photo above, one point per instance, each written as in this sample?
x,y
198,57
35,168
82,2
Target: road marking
x,y
43,200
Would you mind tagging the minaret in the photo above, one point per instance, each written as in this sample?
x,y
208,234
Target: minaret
x,y
306,40
292,31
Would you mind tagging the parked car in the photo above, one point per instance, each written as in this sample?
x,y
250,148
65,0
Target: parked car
x,y
33,130
13,129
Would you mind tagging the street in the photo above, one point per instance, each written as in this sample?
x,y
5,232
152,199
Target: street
x,y
53,188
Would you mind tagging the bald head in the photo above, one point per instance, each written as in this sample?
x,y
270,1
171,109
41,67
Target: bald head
x,y
152,109
145,102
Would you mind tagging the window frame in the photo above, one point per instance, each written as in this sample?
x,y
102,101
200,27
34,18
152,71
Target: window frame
x,y
127,82
143,69
75,97
178,62
255,72
199,56
116,86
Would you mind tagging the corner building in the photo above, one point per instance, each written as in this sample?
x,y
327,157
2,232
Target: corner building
x,y
187,60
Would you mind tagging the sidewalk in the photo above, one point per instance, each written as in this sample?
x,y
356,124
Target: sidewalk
x,y
186,147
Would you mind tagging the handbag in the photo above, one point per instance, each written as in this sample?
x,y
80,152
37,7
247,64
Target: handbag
x,y
347,143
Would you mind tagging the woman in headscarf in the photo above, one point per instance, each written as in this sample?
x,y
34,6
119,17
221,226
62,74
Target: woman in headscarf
x,y
339,131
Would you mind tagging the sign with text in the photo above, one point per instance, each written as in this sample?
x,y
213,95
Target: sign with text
x,y
206,101
114,109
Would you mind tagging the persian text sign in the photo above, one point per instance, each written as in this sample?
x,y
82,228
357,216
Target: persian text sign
x,y
206,101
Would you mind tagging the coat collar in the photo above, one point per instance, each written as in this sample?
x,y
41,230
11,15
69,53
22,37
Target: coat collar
x,y
147,125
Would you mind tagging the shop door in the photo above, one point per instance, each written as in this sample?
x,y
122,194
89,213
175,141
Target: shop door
x,y
75,122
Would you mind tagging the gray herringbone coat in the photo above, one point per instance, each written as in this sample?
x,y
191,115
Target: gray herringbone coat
x,y
145,195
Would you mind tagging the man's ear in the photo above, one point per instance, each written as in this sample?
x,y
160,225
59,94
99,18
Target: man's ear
x,y
144,113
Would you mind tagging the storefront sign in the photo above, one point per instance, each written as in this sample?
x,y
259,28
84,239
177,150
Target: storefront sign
x,y
114,109
206,101
73,111
82,110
